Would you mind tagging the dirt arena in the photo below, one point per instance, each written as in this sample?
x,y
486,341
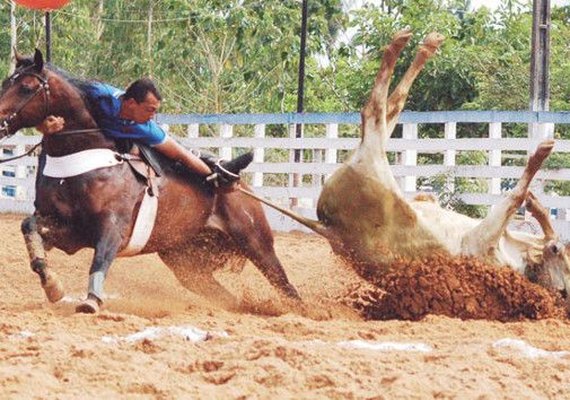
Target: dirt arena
x,y
156,340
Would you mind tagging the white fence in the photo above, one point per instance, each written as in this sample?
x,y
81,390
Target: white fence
x,y
434,151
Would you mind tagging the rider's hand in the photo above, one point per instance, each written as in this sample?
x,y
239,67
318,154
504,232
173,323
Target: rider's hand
x,y
51,124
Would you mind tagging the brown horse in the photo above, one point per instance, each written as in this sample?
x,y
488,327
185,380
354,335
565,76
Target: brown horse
x,y
198,229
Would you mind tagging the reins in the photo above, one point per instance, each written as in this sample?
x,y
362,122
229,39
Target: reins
x,y
43,87
27,153
34,147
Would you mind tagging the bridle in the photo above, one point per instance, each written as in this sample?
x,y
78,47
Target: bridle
x,y
42,88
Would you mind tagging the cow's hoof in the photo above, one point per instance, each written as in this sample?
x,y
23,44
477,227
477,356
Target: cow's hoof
x,y
88,306
53,289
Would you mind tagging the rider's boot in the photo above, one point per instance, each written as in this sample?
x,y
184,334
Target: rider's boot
x,y
226,172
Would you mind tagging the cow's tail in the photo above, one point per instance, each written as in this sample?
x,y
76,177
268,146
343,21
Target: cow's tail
x,y
314,225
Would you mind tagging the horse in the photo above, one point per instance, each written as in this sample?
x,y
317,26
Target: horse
x,y
198,229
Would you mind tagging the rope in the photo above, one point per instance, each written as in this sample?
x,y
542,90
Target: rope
x,y
34,147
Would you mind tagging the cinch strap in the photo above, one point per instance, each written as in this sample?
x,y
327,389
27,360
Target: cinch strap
x,y
144,225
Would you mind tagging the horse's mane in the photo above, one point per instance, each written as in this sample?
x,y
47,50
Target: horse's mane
x,y
78,83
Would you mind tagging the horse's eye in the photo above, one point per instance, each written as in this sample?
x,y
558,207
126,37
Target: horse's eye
x,y
26,90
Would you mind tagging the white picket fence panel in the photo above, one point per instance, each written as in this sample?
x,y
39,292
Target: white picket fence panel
x,y
328,146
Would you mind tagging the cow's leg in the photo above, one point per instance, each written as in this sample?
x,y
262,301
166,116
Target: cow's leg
x,y
362,201
370,157
374,128
38,259
540,213
106,249
485,236
398,97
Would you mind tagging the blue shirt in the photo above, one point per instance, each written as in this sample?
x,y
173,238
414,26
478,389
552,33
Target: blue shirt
x,y
107,100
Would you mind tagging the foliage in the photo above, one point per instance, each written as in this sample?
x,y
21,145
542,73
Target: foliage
x,y
242,55
229,56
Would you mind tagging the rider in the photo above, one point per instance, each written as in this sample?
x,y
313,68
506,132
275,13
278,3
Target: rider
x,y
129,115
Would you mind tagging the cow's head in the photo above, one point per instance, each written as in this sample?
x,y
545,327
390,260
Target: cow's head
x,y
556,266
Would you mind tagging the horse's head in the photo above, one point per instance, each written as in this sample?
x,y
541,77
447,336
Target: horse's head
x,y
25,95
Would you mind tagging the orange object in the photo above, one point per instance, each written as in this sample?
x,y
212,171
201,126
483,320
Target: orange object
x,y
42,4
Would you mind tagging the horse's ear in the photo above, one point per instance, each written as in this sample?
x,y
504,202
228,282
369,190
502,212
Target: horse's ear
x,y
38,60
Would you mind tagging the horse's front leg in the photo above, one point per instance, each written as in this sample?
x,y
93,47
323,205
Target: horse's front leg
x,y
106,250
31,227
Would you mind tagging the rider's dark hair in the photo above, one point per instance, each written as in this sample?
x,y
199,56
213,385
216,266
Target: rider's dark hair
x,y
140,88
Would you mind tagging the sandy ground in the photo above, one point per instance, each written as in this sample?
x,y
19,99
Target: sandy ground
x,y
155,340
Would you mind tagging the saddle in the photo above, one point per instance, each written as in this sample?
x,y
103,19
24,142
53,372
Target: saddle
x,y
151,169
144,162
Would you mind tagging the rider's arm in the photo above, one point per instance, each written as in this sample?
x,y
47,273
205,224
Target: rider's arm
x,y
172,149
154,136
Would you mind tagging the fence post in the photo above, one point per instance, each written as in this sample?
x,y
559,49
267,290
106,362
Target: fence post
x,y
193,131
295,179
226,131
258,154
410,157
331,153
316,179
450,133
495,157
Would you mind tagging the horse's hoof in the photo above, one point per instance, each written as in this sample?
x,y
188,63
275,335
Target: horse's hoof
x,y
88,306
53,289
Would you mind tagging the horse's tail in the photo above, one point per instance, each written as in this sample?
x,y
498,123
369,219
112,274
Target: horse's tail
x,y
314,225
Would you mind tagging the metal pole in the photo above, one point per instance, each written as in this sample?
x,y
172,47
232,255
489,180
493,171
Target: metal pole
x,y
301,85
301,89
48,36
540,53
13,36
539,65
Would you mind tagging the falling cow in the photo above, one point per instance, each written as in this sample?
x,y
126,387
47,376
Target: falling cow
x,y
368,221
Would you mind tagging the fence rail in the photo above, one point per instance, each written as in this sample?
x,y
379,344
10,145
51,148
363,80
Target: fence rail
x,y
430,147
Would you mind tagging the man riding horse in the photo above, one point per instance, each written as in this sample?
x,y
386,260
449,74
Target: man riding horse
x,y
128,115
92,193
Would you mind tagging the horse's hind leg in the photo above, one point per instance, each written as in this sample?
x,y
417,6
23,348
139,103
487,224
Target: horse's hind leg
x,y
38,259
193,268
487,234
245,222
262,254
